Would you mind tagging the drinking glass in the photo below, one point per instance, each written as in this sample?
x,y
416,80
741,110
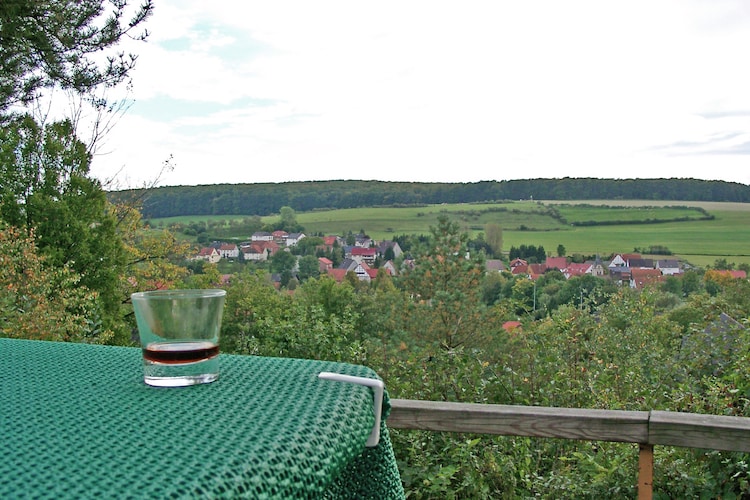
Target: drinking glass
x,y
179,334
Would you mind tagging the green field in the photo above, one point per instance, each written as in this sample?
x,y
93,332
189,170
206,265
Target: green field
x,y
699,242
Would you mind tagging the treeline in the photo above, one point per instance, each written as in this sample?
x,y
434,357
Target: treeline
x,y
266,199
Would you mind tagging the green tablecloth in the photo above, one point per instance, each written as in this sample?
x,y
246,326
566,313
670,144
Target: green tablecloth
x,y
77,421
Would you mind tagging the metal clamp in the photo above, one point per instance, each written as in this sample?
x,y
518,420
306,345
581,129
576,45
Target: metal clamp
x,y
377,386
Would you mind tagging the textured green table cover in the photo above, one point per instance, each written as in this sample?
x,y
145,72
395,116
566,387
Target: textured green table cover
x,y
77,421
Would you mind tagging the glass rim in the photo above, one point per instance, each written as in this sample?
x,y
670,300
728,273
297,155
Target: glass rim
x,y
185,293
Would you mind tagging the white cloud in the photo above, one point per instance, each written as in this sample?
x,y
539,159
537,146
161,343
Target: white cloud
x,y
440,91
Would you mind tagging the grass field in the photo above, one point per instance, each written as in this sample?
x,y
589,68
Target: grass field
x,y
699,242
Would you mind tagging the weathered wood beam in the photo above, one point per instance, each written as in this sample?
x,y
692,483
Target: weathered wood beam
x,y
512,420
691,430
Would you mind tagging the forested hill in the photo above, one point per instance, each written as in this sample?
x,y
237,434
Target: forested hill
x,y
265,199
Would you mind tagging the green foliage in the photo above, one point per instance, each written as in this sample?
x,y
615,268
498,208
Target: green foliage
x,y
283,261
45,188
70,45
445,285
288,220
43,301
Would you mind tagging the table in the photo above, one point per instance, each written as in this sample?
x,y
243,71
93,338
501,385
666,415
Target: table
x,y
77,421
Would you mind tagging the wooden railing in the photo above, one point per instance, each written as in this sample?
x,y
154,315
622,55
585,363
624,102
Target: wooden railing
x,y
646,428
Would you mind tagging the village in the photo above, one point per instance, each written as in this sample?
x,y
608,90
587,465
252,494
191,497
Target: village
x,y
366,257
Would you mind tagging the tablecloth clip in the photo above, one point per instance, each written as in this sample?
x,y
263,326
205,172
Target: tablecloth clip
x,y
377,386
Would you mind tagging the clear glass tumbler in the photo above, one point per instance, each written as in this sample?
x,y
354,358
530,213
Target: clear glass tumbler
x,y
179,332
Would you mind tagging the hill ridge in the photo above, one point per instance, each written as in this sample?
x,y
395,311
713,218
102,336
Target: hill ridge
x,y
267,198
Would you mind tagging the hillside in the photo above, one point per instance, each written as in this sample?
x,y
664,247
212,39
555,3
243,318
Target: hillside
x,y
265,199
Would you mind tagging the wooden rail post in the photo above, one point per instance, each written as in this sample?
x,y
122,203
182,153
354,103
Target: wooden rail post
x,y
645,471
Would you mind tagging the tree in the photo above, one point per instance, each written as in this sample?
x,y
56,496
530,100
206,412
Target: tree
x,y
288,220
283,261
493,235
43,302
389,254
561,250
309,267
45,189
65,44
446,287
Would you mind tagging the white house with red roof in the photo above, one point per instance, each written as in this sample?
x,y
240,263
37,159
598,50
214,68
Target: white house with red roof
x,y
229,251
209,254
578,269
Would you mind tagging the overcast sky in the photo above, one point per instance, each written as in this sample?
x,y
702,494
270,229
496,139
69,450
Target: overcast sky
x,y
436,91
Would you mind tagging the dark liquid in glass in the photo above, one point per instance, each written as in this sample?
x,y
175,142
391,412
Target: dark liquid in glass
x,y
172,353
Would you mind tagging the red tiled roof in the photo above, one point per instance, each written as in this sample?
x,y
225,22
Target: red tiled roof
x,y
337,274
365,252
575,269
537,268
645,276
557,263
519,269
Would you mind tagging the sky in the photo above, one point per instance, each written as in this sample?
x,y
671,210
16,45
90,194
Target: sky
x,y
244,91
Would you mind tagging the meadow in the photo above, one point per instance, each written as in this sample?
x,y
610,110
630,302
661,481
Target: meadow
x,y
550,223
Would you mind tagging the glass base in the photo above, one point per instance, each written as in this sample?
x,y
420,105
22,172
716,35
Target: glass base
x,y
180,381
180,374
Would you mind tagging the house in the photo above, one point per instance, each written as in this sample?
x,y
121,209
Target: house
x,y
668,267
536,270
383,247
358,268
253,253
372,273
617,261
209,254
361,254
324,264
623,260
293,238
229,251
390,267
363,272
494,265
262,236
330,241
576,269
271,247
519,269
597,268
349,264
279,237
640,277
337,274
556,263
641,263
518,262
362,240
259,250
